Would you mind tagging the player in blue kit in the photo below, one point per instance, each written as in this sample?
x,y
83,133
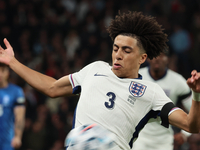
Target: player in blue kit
x,y
12,112
115,97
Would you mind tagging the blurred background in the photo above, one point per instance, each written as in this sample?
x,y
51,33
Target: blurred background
x,y
58,37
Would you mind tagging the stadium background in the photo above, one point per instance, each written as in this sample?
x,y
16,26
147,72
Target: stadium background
x,y
58,37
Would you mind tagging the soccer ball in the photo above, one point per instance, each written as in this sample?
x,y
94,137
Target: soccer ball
x,y
89,137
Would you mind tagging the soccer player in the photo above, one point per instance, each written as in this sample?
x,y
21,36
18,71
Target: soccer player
x,y
12,112
115,97
154,136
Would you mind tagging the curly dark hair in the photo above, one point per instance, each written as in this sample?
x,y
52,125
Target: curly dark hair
x,y
145,29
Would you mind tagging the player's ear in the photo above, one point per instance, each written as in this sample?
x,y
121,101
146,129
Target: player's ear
x,y
143,58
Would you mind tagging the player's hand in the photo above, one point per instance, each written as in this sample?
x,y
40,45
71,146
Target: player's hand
x,y
179,139
16,142
6,55
194,81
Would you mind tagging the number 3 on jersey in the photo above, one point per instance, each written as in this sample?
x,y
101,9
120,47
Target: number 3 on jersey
x,y
111,103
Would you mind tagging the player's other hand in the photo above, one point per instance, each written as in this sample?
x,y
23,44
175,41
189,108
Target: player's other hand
x,y
179,139
194,81
6,55
16,142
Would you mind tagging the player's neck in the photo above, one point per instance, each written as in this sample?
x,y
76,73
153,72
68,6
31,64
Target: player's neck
x,y
157,74
3,84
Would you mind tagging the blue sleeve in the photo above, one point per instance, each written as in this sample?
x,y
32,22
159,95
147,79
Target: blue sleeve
x,y
19,99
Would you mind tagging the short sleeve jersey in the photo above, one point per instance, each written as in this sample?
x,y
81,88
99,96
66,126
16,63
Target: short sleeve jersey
x,y
178,91
173,84
121,105
10,97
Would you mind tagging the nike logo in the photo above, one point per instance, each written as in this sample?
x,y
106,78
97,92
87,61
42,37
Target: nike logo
x,y
100,75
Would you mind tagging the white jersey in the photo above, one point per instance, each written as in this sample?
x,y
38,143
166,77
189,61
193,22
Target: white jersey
x,y
154,136
122,106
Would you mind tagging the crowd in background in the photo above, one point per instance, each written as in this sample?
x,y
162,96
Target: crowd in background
x,y
58,37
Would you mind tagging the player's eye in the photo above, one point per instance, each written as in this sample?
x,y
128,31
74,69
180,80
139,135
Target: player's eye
x,y
126,51
115,49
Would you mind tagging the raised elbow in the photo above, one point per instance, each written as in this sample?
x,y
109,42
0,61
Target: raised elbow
x,y
52,95
51,92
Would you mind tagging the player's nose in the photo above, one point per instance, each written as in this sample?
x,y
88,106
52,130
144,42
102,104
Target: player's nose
x,y
119,54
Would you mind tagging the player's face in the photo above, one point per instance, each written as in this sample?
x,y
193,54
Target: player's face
x,y
4,73
159,63
126,57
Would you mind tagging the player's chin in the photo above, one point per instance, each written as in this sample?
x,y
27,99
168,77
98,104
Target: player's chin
x,y
118,73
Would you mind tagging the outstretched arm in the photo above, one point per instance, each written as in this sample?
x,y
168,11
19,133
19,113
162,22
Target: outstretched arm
x,y
45,84
189,122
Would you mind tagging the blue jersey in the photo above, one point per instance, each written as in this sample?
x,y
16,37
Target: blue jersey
x,y
10,97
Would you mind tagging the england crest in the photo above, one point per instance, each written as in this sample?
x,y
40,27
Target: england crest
x,y
137,89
